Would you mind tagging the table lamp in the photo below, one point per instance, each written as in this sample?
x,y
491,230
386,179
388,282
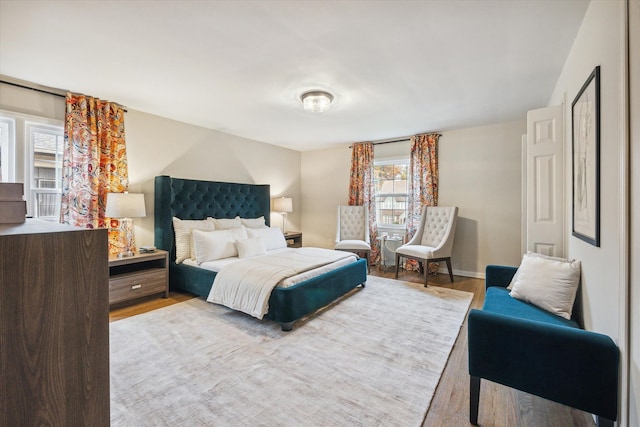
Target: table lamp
x,y
283,205
125,207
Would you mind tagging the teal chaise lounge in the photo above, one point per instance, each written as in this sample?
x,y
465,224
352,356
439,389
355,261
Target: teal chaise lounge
x,y
519,345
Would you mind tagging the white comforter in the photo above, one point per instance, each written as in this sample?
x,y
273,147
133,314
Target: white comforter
x,y
246,285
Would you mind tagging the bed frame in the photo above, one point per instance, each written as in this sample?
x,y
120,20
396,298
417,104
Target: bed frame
x,y
193,199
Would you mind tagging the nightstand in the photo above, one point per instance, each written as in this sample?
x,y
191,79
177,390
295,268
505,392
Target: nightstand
x,y
139,275
294,239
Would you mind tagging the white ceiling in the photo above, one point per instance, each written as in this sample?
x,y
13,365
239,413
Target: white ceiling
x,y
396,68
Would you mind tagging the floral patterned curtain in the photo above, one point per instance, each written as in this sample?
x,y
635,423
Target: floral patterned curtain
x,y
94,162
423,184
361,191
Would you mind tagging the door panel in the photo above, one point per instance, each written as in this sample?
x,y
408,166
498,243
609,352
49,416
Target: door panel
x,y
545,181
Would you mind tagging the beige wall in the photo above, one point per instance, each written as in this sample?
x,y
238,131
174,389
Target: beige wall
x,y
160,146
634,289
600,41
32,103
479,172
325,182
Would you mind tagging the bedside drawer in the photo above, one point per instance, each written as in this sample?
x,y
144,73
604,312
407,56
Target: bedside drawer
x,y
137,284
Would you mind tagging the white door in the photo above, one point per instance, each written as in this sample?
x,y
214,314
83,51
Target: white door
x,y
545,181
523,189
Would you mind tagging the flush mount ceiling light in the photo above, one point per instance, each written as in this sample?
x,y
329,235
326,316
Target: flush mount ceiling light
x,y
316,101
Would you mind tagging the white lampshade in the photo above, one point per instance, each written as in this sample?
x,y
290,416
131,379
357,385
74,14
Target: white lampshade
x,y
283,204
316,101
125,205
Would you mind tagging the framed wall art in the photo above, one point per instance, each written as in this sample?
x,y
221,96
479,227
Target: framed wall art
x,y
585,135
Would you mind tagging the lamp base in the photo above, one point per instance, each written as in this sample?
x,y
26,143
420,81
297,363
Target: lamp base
x,y
127,240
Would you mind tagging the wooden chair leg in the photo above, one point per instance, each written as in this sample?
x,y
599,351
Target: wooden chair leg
x,y
603,422
397,264
448,261
426,273
474,399
366,256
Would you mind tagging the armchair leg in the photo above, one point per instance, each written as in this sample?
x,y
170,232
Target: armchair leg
x,y
448,261
397,264
474,399
603,422
426,273
366,256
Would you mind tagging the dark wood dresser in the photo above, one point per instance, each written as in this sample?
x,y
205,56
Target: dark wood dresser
x,y
54,325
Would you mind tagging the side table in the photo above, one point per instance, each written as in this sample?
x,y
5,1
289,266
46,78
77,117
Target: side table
x,y
139,275
294,239
388,246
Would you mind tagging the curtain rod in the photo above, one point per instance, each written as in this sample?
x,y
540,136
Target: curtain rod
x,y
392,141
406,138
48,92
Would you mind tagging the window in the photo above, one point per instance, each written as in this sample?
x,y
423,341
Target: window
x,y
31,150
391,193
45,184
7,144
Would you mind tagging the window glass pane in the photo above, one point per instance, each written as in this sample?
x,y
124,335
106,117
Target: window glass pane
x,y
7,161
47,159
391,194
400,182
46,142
47,205
2,149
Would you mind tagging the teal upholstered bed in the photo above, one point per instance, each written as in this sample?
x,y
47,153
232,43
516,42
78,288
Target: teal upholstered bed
x,y
194,199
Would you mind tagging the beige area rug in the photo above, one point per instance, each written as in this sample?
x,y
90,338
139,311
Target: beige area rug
x,y
372,359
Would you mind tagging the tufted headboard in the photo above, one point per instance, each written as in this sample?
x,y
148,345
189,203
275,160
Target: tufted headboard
x,y
193,199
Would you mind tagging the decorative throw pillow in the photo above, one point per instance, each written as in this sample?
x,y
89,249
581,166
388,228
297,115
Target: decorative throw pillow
x,y
217,244
272,237
253,222
251,247
227,223
535,254
182,229
548,283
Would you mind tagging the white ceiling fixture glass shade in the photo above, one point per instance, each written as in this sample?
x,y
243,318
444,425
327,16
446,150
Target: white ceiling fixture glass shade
x,y
316,101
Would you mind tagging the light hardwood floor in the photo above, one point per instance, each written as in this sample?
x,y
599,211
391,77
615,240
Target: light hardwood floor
x,y
499,406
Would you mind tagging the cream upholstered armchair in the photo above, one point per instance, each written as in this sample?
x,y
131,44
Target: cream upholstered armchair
x,y
352,231
433,240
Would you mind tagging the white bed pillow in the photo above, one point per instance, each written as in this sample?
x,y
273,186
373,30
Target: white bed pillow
x,y
227,223
251,247
217,244
272,237
535,254
253,222
182,229
550,284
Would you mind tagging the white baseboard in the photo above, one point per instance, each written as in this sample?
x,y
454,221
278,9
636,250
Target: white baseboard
x,y
474,274
443,270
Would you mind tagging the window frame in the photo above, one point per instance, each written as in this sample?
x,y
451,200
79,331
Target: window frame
x,y
20,154
391,228
7,148
31,127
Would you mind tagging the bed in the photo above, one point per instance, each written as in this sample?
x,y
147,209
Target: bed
x,y
189,199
